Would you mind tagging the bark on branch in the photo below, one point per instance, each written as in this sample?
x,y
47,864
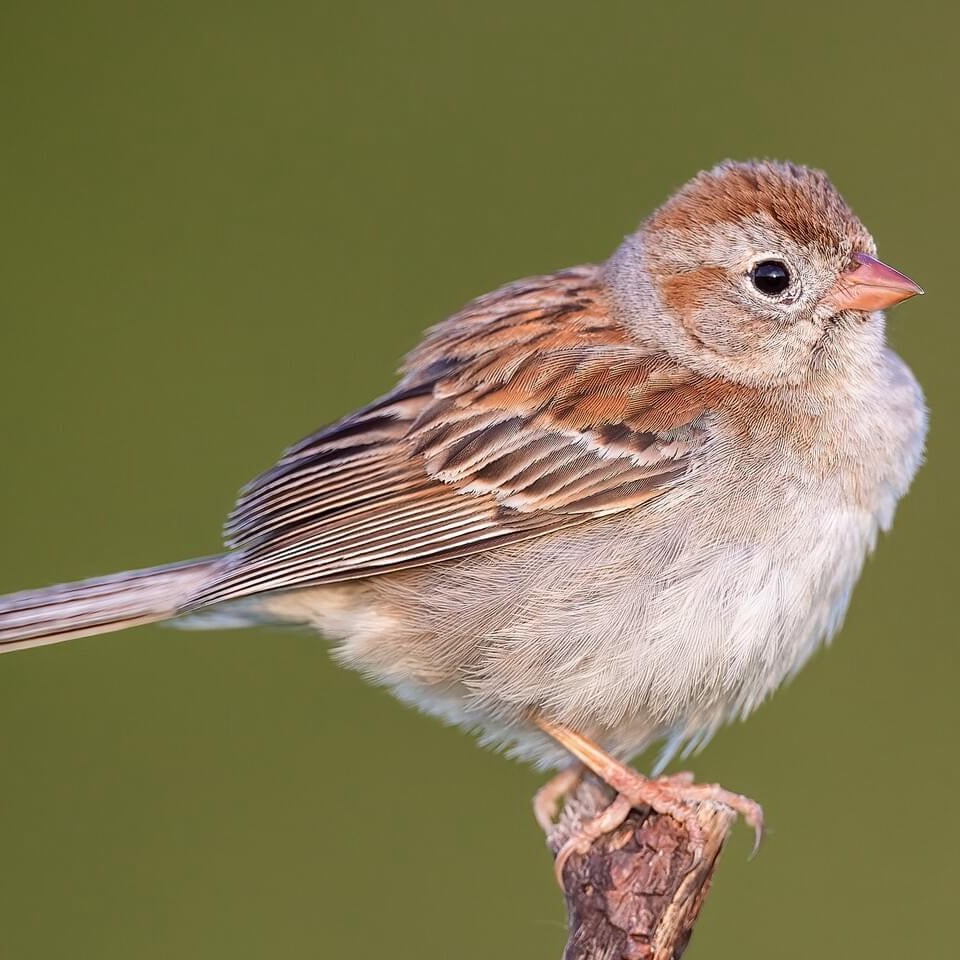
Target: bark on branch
x,y
636,893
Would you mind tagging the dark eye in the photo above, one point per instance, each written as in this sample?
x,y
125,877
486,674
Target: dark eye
x,y
770,277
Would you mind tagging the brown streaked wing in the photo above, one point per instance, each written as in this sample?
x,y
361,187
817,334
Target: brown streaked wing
x,y
526,412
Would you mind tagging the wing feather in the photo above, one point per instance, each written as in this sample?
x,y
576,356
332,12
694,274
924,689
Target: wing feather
x,y
529,411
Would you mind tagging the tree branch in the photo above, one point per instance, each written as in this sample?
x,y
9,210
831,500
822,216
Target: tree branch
x,y
636,893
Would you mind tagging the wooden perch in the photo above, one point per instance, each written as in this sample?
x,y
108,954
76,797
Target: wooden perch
x,y
636,893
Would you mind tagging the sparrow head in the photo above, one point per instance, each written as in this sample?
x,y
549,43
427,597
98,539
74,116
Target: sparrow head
x,y
759,273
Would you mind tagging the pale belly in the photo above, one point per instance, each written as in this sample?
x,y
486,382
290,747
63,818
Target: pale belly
x,y
628,632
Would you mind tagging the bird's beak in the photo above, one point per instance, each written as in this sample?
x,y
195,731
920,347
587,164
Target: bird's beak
x,y
871,286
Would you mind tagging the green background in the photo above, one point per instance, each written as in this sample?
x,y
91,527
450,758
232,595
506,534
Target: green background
x,y
221,224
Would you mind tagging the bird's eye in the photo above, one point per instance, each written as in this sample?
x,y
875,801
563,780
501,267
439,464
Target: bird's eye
x,y
770,277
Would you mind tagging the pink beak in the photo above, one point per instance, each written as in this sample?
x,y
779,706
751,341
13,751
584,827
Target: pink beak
x,y
871,286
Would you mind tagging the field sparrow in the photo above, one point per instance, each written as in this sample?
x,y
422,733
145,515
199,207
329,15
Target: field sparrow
x,y
612,506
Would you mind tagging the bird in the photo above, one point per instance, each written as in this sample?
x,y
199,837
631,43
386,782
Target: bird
x,y
602,509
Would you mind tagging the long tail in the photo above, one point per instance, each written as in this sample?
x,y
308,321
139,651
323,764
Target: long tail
x,y
35,617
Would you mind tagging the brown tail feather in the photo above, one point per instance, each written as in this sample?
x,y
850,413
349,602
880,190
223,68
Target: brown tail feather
x,y
36,617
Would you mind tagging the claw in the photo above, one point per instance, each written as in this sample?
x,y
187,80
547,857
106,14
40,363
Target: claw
x,y
605,822
676,795
547,799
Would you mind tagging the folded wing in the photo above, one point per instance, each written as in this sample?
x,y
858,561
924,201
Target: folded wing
x,y
528,411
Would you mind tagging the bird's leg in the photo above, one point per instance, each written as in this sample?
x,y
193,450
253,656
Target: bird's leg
x,y
546,801
675,796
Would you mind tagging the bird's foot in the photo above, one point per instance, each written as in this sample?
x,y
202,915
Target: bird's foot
x,y
589,831
546,801
677,796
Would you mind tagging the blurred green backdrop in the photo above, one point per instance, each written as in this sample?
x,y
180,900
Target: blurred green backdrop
x,y
222,224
